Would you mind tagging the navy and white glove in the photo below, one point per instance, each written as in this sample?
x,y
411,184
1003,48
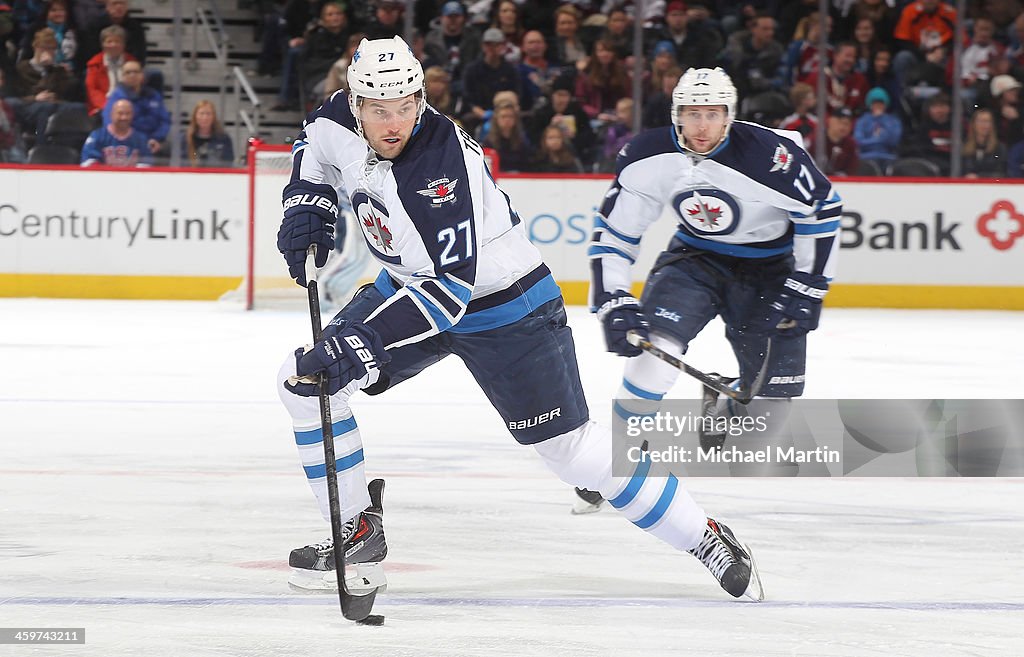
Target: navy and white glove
x,y
620,313
796,309
347,352
310,210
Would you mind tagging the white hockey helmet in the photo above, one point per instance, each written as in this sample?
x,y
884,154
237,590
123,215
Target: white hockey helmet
x,y
384,69
703,86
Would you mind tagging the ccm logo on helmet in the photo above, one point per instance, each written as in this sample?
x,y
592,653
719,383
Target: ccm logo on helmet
x,y
312,199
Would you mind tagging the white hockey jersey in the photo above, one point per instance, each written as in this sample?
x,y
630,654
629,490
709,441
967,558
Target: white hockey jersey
x,y
455,254
758,195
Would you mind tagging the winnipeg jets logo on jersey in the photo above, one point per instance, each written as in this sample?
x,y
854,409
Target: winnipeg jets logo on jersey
x,y
440,191
373,218
781,160
707,211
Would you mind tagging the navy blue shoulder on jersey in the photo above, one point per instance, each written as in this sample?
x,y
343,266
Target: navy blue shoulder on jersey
x,y
433,184
647,144
752,151
335,109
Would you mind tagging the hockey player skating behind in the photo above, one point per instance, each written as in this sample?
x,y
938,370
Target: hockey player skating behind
x,y
755,244
459,277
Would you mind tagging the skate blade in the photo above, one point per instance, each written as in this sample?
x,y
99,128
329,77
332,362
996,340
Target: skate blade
x,y
361,579
582,507
755,588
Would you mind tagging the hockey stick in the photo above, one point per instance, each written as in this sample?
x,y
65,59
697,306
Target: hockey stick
x,y
353,607
709,381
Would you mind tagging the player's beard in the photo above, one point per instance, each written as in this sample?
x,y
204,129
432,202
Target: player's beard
x,y
386,149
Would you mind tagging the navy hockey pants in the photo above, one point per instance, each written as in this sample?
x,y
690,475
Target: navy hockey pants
x,y
687,289
527,369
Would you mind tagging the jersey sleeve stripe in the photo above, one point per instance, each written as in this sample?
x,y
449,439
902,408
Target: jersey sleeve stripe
x,y
442,298
815,229
602,251
438,313
601,224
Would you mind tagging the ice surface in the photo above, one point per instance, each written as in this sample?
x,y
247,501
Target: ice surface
x,y
150,492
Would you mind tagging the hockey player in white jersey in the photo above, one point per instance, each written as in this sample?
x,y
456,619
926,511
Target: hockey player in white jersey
x,y
459,276
755,244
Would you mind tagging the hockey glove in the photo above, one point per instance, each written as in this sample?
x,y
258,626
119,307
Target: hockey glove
x,y
310,211
619,313
347,352
797,307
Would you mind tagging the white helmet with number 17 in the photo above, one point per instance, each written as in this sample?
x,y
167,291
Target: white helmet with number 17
x,y
704,87
384,69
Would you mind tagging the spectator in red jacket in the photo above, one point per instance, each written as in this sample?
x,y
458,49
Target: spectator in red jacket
x,y
103,71
844,86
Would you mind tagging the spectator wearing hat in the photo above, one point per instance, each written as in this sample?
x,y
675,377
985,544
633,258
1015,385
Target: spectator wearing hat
x,y
877,132
453,43
984,155
39,86
1005,90
840,147
535,71
696,44
663,59
568,115
932,140
488,75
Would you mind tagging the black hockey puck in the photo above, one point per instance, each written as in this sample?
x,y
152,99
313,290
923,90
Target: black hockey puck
x,y
372,619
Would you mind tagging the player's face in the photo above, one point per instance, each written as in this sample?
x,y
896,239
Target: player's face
x,y
388,124
704,126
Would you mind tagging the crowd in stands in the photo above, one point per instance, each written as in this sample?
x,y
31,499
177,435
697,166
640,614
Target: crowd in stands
x,y
548,85
75,88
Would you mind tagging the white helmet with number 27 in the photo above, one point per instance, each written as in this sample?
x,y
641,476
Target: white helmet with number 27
x,y
384,69
703,86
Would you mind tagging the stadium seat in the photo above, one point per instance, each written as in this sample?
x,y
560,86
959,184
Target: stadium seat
x,y
915,167
53,154
870,168
68,128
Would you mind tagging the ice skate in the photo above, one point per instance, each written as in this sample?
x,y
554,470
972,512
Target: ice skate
x,y
313,566
731,563
587,501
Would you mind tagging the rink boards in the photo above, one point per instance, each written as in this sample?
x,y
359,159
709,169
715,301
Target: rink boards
x,y
182,234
